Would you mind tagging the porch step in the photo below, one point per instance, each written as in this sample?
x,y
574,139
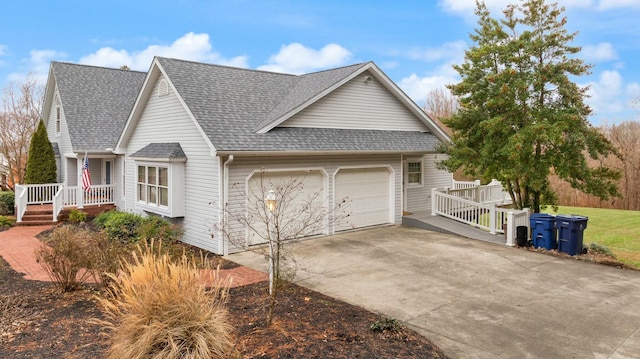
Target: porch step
x,y
37,215
35,223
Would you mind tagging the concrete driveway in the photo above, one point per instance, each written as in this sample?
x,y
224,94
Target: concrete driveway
x,y
476,299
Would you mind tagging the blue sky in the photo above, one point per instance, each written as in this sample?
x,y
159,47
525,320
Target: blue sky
x,y
414,41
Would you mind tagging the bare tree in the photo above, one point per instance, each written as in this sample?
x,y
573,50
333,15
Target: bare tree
x,y
279,212
22,105
440,103
626,138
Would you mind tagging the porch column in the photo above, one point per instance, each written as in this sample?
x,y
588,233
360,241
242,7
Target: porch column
x,y
79,190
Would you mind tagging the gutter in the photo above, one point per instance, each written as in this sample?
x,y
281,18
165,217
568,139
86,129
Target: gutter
x,y
319,153
224,198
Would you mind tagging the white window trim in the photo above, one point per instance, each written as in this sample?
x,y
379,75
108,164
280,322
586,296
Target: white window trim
x,y
145,203
175,207
58,115
421,162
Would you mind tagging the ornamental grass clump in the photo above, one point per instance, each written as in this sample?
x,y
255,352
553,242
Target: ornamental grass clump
x,y
157,307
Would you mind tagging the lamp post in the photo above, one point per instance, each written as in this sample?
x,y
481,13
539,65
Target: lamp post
x,y
271,200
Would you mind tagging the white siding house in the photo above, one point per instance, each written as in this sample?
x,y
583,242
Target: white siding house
x,y
189,141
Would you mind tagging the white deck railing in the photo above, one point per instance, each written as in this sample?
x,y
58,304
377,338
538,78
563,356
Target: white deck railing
x,y
486,216
20,201
60,196
487,194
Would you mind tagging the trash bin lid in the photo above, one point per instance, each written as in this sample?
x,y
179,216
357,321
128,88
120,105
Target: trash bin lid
x,y
571,217
542,216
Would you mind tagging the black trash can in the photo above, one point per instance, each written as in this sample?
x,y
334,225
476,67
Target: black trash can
x,y
522,234
543,231
570,233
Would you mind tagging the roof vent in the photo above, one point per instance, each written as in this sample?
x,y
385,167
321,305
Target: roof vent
x,y
163,88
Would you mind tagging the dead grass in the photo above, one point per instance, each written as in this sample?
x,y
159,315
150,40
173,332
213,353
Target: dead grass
x,y
158,309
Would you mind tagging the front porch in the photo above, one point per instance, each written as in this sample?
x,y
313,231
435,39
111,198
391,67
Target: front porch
x,y
45,202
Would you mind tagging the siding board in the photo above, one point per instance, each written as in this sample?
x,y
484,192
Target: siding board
x,y
419,198
358,105
164,119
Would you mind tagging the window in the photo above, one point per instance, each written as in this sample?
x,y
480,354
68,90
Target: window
x,y
153,185
58,115
414,173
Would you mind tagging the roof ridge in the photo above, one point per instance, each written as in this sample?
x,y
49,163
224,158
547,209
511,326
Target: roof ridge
x,y
359,64
228,67
96,66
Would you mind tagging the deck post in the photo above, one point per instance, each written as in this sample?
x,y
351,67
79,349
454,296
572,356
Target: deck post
x,y
492,218
510,229
80,197
434,201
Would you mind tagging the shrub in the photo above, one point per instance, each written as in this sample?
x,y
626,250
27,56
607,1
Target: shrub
x,y
601,249
76,215
386,325
7,203
156,308
133,228
68,257
120,226
157,229
5,222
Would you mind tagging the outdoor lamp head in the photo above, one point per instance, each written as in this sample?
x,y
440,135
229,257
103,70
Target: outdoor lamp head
x,y
271,200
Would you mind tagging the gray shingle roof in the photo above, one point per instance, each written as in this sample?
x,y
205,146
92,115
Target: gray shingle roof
x,y
96,102
231,104
171,151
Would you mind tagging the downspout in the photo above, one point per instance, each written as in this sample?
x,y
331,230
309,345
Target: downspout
x,y
224,198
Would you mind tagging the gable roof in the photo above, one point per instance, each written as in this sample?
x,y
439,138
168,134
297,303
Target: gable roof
x,y
238,110
96,102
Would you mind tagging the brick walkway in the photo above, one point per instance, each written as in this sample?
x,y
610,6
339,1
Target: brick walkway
x,y
18,245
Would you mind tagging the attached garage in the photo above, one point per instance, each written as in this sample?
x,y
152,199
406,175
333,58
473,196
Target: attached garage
x,y
313,184
370,194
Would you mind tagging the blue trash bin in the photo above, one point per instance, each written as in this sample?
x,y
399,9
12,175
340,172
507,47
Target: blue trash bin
x,y
570,233
543,231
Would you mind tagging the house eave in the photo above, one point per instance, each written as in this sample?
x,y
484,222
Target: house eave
x,y
318,153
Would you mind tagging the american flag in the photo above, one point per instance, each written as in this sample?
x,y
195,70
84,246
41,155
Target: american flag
x,y
86,176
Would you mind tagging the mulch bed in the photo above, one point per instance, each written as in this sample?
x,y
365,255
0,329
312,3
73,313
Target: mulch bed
x,y
36,321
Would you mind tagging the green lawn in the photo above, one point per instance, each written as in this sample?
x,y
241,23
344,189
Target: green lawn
x,y
619,230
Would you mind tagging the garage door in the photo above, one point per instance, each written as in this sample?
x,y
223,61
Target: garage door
x,y
310,192
369,193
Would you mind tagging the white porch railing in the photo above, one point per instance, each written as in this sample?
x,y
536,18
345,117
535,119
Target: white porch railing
x,y
487,194
486,216
20,201
59,195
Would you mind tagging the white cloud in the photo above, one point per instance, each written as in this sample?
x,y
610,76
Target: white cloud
x,y
296,58
38,65
194,47
616,4
465,8
603,51
450,51
610,97
418,87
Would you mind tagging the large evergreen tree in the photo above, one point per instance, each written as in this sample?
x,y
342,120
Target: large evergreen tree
x,y
521,116
41,164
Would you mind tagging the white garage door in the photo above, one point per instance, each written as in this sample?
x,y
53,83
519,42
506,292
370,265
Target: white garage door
x,y
310,192
369,194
